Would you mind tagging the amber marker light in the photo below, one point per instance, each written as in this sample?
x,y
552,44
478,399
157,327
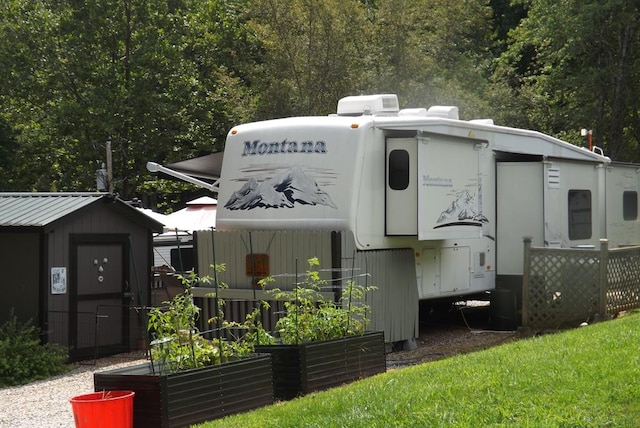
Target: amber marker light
x,y
234,131
354,125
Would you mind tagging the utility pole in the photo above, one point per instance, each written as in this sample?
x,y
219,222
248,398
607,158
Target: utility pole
x,y
109,167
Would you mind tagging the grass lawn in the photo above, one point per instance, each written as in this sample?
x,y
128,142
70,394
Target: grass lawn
x,y
587,377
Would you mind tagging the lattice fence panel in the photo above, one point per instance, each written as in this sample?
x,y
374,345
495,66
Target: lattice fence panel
x,y
563,287
623,276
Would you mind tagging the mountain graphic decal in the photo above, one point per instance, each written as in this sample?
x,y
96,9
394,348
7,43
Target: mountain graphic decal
x,y
462,210
284,190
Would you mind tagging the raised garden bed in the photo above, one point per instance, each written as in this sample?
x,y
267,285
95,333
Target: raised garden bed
x,y
314,366
192,396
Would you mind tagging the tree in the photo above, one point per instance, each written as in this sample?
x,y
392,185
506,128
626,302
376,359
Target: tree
x,y
135,72
7,158
573,64
426,51
433,52
314,54
23,55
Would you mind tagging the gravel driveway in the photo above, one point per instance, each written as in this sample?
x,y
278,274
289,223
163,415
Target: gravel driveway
x,y
45,403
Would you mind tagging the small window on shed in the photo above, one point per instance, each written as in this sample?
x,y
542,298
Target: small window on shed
x,y
579,214
398,169
630,205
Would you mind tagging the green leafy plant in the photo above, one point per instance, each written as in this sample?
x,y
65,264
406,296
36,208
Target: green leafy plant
x,y
253,332
178,344
24,358
310,316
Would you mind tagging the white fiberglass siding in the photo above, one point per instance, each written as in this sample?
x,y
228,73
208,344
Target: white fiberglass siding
x,y
293,173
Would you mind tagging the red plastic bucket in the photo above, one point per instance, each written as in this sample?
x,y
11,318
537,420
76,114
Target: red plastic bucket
x,y
103,409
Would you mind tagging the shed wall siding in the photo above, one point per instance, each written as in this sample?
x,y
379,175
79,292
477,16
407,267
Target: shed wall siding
x,y
20,279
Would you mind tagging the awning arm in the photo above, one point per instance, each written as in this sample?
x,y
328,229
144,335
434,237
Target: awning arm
x,y
156,167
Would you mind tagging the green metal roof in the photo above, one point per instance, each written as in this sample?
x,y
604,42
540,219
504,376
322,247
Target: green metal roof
x,y
41,209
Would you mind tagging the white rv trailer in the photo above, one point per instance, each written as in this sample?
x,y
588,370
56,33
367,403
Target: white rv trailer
x,y
450,199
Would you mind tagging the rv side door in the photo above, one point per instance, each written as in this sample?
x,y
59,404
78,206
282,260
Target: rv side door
x,y
401,190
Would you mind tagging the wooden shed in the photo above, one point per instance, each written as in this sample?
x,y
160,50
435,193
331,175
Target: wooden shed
x,y
79,266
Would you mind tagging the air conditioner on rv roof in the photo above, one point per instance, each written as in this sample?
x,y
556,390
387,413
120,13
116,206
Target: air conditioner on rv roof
x,y
368,105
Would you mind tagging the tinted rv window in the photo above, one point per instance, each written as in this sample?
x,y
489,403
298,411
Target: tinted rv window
x,y
579,214
184,257
630,205
398,169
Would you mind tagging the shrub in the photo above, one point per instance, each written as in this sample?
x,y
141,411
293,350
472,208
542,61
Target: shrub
x,y
24,358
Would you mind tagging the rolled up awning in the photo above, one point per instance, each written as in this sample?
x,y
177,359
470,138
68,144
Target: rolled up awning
x,y
206,167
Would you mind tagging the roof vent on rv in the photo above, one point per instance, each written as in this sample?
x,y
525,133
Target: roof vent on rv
x,y
385,104
482,121
413,112
447,112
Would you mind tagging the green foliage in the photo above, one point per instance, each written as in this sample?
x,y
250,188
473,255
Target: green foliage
x,y
7,156
580,378
178,344
251,329
571,65
152,76
314,54
24,358
310,316
169,195
432,52
165,81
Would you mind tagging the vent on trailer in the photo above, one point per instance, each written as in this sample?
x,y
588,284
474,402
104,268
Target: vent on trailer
x,y
447,112
383,104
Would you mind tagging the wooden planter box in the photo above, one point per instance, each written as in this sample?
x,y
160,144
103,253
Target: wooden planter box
x,y
315,366
193,396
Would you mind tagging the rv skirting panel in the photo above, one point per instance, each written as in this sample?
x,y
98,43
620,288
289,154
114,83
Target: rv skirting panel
x,y
394,304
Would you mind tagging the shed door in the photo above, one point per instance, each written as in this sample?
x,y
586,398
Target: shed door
x,y
101,296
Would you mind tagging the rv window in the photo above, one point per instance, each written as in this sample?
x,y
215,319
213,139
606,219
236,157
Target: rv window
x,y
579,214
398,169
184,260
630,205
